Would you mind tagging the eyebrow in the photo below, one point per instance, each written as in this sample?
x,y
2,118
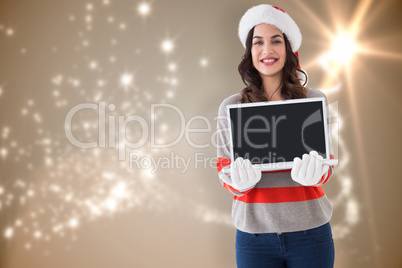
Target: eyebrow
x,y
274,36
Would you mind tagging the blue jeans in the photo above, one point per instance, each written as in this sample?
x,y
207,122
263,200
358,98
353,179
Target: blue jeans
x,y
313,248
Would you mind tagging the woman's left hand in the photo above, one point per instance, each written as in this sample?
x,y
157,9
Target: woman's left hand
x,y
309,171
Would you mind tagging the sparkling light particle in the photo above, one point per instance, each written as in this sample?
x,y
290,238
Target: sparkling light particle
x,y
90,7
9,232
93,65
88,18
31,193
126,79
111,204
170,94
122,26
57,80
173,81
86,125
37,118
95,210
164,127
204,62
73,223
75,82
119,191
352,212
6,131
3,152
38,234
10,32
101,83
108,175
55,188
57,228
68,197
167,46
172,67
144,9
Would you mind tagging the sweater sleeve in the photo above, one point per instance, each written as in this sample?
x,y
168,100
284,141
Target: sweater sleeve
x,y
328,175
223,147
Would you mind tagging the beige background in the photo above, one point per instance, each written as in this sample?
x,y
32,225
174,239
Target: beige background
x,y
61,206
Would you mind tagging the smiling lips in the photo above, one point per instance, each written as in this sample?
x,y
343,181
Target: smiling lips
x,y
268,61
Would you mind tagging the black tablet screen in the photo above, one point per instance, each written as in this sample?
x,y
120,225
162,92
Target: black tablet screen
x,y
277,133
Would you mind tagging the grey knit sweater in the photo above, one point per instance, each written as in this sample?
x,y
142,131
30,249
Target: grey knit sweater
x,y
276,204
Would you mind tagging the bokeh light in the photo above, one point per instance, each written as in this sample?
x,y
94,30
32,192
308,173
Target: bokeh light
x,y
144,9
167,46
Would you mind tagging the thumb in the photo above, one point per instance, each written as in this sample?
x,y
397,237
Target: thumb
x,y
296,166
225,178
324,169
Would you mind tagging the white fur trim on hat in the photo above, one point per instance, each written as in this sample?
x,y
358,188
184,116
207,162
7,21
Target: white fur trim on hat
x,y
270,15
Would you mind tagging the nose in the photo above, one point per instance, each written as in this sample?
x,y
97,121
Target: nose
x,y
267,49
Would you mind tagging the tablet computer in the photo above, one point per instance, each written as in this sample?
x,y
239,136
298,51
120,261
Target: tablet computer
x,y
273,133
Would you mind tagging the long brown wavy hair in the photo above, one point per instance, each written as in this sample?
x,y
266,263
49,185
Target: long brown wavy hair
x,y
291,87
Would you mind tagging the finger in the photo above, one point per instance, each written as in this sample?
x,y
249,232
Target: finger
x,y
257,171
247,163
250,175
248,169
234,173
296,167
318,167
241,171
311,166
303,167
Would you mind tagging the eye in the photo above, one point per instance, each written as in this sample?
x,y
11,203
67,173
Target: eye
x,y
276,42
257,43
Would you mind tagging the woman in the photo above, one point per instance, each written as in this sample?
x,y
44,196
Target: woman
x,y
282,218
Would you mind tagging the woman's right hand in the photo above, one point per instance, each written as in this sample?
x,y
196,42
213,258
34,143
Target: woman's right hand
x,y
243,175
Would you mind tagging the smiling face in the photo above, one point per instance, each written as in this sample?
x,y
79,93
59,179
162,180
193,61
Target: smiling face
x,y
268,50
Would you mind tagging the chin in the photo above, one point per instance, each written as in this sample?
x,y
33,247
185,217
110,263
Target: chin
x,y
270,74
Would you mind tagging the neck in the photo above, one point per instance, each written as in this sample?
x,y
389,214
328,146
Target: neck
x,y
271,87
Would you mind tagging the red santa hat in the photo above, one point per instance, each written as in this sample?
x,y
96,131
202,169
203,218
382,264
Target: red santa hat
x,y
277,17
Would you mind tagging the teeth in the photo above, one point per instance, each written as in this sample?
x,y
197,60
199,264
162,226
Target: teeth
x,y
270,60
